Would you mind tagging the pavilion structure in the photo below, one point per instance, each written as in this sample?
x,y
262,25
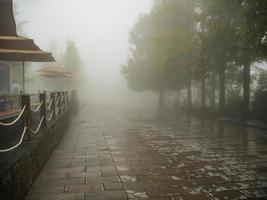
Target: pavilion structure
x,y
14,47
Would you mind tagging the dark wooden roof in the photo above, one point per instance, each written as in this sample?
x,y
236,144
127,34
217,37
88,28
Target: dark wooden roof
x,y
26,55
14,47
7,20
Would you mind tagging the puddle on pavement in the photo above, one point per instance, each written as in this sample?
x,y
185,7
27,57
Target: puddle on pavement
x,y
175,178
135,194
123,168
128,179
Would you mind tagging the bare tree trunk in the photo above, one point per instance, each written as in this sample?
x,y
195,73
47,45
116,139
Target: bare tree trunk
x,y
161,104
203,93
222,89
246,89
213,90
189,91
177,103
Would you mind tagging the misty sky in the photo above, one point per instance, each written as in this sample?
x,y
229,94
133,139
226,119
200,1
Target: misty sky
x,y
99,27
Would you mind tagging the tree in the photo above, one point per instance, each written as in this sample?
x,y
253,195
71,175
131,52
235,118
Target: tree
x,y
73,62
162,48
260,103
72,59
217,22
251,31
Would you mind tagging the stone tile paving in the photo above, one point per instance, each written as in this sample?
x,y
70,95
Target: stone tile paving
x,y
117,154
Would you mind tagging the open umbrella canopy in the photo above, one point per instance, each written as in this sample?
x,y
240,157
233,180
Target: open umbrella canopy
x,y
55,69
54,75
54,72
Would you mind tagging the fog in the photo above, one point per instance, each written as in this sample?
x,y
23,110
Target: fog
x,y
100,30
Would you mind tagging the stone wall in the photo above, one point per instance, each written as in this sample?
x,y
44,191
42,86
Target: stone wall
x,y
28,160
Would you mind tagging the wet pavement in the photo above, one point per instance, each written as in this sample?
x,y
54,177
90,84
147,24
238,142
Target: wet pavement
x,y
122,153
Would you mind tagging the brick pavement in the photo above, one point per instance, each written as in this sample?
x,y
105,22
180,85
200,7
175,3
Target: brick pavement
x,y
117,154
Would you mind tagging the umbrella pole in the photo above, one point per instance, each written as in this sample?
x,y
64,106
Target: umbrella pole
x,y
23,79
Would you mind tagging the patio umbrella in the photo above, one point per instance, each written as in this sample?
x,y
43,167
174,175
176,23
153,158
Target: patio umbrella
x,y
14,47
55,73
55,70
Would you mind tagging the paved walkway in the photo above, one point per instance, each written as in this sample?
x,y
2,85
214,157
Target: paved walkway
x,y
115,154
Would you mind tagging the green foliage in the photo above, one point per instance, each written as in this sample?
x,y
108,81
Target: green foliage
x,y
163,44
262,81
251,29
206,37
72,59
260,103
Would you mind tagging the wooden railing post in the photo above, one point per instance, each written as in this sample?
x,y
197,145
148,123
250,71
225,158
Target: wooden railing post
x,y
63,101
72,100
67,99
43,108
25,101
26,119
59,102
53,105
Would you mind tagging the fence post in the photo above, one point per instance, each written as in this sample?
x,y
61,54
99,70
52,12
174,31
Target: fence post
x,y
67,99
26,119
59,102
53,106
43,108
74,102
63,101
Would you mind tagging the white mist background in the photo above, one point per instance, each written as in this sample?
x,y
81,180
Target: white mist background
x,y
100,29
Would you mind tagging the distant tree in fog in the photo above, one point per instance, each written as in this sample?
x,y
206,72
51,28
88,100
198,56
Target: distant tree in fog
x,y
182,40
162,52
73,62
72,58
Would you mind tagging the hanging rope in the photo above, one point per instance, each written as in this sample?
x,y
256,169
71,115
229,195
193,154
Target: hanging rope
x,y
51,116
57,110
18,144
57,102
17,119
39,126
63,104
38,108
50,104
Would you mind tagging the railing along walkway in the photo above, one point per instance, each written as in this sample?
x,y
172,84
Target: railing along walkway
x,y
32,117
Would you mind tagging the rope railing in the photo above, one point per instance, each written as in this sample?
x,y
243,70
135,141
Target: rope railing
x,y
16,120
57,101
57,111
63,103
16,145
56,105
51,116
38,108
39,126
50,104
